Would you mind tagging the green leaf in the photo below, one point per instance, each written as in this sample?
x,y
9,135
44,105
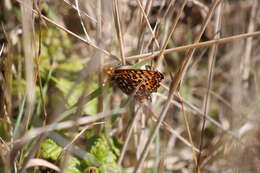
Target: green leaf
x,y
106,152
73,165
50,150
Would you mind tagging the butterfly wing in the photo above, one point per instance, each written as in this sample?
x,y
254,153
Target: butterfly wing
x,y
128,80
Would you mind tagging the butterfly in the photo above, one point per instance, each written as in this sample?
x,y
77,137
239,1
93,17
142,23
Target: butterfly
x,y
141,83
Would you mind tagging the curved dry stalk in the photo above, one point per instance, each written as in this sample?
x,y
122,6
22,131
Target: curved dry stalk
x,y
41,162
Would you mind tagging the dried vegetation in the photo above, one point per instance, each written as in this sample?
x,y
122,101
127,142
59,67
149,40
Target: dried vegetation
x,y
58,111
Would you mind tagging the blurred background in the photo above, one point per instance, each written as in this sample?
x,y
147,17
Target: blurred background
x,y
51,73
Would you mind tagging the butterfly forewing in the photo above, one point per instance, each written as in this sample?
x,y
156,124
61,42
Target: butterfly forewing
x,y
136,81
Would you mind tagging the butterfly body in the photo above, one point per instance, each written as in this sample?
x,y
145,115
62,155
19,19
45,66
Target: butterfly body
x,y
141,83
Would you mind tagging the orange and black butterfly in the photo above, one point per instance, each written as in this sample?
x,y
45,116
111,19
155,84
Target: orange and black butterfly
x,y
141,83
